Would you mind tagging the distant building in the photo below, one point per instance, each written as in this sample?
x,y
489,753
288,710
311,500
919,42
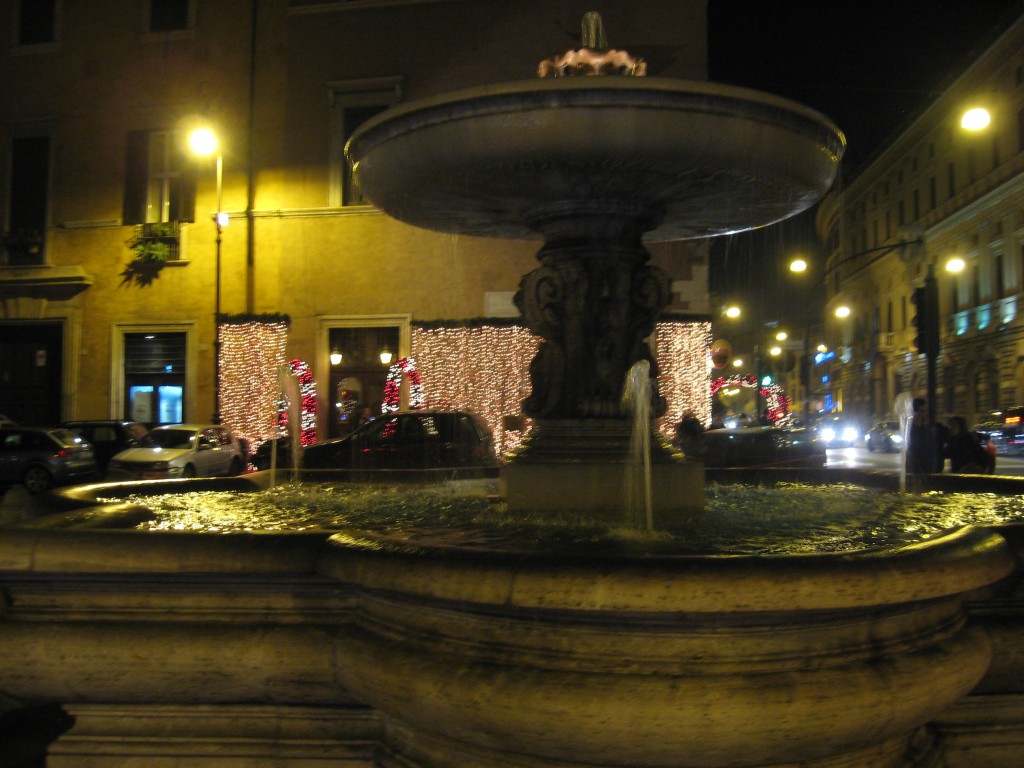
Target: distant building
x,y
95,103
935,192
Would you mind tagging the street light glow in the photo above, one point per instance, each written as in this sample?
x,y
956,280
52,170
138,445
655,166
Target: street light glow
x,y
975,119
781,336
737,363
797,265
202,141
955,264
775,351
843,311
733,312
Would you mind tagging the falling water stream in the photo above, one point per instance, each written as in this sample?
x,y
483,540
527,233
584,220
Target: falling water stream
x,y
636,396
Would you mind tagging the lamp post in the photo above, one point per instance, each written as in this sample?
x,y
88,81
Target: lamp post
x,y
204,143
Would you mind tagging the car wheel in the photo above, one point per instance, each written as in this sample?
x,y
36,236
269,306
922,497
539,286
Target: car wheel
x,y
236,468
189,471
37,480
870,447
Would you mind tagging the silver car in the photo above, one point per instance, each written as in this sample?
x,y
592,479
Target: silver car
x,y
180,450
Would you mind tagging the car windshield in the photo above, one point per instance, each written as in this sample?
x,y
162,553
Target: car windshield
x,y
168,438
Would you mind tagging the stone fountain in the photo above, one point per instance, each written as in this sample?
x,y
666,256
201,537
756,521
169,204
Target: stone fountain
x,y
418,649
550,658
594,166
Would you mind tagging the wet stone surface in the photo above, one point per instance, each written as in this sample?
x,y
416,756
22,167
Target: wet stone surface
x,y
790,519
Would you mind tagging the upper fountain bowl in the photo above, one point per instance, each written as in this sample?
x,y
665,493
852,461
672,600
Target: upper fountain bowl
x,y
693,159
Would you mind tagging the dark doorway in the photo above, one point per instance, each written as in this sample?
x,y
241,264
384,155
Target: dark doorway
x,y
154,377
32,372
357,381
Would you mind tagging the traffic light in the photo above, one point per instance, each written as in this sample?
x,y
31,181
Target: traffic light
x,y
926,318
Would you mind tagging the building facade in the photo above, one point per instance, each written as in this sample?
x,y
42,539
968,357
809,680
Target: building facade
x,y
114,275
936,193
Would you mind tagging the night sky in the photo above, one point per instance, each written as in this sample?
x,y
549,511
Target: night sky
x,y
869,66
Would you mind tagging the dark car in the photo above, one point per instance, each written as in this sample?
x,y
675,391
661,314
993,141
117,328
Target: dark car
x,y
42,457
409,440
884,436
263,456
758,447
108,437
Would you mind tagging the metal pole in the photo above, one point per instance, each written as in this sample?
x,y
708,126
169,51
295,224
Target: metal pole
x,y
216,311
932,353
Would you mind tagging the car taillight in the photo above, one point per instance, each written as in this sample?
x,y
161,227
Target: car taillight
x,y
63,453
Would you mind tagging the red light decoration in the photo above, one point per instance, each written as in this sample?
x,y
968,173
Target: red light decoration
x,y
307,395
392,387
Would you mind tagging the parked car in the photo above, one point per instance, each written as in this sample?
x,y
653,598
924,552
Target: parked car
x,y
180,450
758,447
421,439
261,458
42,457
884,436
108,437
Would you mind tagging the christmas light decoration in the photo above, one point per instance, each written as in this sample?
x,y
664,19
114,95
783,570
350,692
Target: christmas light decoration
x,y
250,352
480,367
681,352
484,367
307,394
393,385
775,398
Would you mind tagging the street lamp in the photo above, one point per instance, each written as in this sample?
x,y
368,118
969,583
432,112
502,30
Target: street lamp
x,y
975,119
203,142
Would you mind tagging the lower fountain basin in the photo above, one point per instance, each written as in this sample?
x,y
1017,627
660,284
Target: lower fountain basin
x,y
689,158
661,661
403,649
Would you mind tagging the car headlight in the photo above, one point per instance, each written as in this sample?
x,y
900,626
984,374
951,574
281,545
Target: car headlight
x,y
849,434
828,434
160,466
896,439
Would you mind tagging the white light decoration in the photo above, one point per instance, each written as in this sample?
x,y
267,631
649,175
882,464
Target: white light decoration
x,y
480,368
681,350
485,369
250,354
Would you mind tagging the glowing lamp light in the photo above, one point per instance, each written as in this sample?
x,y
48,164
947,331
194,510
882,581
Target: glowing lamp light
x,y
737,363
775,351
798,265
336,357
956,264
975,119
386,357
202,141
842,312
781,336
733,312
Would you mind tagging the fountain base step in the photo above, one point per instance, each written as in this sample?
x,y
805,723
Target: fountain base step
x,y
221,736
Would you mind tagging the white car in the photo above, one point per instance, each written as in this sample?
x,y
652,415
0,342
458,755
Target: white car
x,y
180,450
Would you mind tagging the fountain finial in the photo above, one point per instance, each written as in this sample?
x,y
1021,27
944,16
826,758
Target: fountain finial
x,y
592,31
594,56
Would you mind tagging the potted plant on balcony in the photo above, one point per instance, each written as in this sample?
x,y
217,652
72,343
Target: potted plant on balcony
x,y
153,245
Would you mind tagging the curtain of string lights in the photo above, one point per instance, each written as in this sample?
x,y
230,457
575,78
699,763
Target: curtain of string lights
x,y
477,367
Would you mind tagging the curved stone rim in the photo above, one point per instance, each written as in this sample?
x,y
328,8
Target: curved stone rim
x,y
479,185
966,559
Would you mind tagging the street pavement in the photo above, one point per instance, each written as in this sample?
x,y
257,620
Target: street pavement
x,y
859,457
